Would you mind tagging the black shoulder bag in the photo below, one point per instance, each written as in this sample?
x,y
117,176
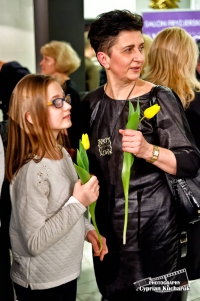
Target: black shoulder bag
x,y
186,191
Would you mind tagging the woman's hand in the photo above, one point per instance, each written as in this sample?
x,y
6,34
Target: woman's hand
x,y
88,193
134,142
93,239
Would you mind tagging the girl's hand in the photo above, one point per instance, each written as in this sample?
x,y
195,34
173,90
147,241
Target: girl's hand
x,y
134,142
88,193
93,239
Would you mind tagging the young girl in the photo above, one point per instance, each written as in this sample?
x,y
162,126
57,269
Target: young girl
x,y
47,227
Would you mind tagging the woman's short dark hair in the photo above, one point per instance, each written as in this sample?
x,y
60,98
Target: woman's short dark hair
x,y
104,30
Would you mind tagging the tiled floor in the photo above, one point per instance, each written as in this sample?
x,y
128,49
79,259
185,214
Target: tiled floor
x,y
87,289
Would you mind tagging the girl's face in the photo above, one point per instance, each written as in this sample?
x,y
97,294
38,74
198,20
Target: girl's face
x,y
48,65
59,118
126,59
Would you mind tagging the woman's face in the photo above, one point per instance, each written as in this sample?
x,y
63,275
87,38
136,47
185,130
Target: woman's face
x,y
126,56
59,119
48,65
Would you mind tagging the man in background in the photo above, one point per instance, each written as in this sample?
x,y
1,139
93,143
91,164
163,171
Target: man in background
x,y
10,74
92,71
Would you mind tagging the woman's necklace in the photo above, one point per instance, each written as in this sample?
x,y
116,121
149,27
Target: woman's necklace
x,y
104,145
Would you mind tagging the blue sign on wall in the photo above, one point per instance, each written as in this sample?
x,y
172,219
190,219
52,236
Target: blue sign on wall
x,y
156,21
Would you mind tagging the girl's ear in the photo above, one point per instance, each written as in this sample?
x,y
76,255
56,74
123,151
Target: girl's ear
x,y
103,59
28,117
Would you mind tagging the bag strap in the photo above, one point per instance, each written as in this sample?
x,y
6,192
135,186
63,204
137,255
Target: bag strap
x,y
153,101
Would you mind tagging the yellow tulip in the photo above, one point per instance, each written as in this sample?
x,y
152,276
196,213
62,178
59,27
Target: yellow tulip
x,y
151,111
85,141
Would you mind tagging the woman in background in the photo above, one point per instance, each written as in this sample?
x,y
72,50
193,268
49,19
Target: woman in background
x,y
172,62
47,227
60,60
147,44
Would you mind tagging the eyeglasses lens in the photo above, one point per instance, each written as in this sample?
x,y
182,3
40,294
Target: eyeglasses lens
x,y
68,99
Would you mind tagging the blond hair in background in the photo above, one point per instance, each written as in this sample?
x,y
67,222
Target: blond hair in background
x,y
147,44
172,62
66,59
26,140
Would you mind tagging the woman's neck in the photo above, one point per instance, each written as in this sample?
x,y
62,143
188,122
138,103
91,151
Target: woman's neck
x,y
120,91
60,77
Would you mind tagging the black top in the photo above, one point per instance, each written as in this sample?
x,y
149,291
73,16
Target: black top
x,y
74,131
193,117
10,74
152,235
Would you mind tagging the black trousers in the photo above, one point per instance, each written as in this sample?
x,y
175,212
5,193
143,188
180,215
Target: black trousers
x,y
64,292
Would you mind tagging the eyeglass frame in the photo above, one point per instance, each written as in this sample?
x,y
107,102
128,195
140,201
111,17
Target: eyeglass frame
x,y
66,99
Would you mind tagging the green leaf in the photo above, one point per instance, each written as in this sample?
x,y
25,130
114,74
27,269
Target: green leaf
x,y
131,109
133,122
138,107
82,173
79,159
84,157
92,213
85,176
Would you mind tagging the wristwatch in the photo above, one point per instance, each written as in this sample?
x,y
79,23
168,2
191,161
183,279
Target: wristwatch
x,y
155,154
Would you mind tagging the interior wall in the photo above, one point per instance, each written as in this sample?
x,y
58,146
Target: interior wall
x,y
144,5
17,32
92,7
17,24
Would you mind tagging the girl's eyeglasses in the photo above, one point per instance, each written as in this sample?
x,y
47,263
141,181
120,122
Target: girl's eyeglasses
x,y
58,102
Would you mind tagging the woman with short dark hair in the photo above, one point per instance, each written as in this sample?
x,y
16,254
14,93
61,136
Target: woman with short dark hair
x,y
152,239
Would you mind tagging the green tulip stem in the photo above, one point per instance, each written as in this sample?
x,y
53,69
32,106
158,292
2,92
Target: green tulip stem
x,y
141,119
92,213
125,219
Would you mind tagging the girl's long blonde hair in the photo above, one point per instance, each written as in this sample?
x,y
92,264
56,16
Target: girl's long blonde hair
x,y
26,140
172,62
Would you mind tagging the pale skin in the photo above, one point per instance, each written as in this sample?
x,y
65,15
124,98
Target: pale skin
x,y
123,66
88,193
48,67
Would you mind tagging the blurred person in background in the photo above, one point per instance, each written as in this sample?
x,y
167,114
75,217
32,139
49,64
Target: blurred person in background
x,y
166,67
198,62
10,73
92,71
6,287
147,44
172,62
60,60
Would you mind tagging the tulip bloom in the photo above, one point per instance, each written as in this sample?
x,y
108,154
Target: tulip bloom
x,y
82,169
85,141
151,112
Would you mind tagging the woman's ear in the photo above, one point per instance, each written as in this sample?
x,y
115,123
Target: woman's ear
x,y
28,117
103,59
